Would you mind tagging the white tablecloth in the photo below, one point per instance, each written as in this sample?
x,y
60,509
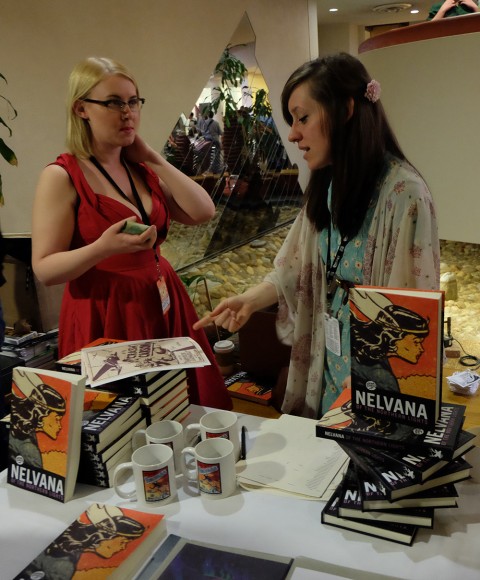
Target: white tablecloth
x,y
264,522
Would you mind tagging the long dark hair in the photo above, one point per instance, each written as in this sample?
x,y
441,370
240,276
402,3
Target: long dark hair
x,y
358,144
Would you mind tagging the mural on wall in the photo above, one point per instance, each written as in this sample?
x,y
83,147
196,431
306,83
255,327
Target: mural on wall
x,y
229,143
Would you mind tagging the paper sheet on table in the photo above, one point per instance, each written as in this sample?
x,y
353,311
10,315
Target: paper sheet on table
x,y
288,456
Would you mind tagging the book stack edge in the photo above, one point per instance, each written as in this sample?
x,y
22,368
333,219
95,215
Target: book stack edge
x,y
393,484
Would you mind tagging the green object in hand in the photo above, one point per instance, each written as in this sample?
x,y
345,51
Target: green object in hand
x,y
133,228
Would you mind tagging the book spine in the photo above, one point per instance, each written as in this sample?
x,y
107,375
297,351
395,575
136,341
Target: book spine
x,y
92,431
382,442
381,458
165,392
363,465
73,369
91,478
17,340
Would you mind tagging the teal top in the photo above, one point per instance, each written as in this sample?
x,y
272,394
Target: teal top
x,y
350,269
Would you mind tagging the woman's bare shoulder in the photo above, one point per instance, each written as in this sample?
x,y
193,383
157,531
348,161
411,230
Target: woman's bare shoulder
x,y
53,182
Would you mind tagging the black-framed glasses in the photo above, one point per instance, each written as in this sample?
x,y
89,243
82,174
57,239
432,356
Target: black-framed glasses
x,y
134,104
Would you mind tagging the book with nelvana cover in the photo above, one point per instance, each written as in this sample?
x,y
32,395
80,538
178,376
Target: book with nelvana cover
x,y
395,531
343,425
45,428
243,385
72,363
396,343
107,416
105,541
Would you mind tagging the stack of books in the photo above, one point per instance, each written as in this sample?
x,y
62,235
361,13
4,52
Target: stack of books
x,y
163,394
405,446
109,421
34,349
394,469
130,385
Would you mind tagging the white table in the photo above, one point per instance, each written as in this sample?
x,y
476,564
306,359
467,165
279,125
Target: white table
x,y
263,522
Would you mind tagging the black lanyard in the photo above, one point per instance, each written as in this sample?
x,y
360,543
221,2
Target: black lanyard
x,y
332,268
138,201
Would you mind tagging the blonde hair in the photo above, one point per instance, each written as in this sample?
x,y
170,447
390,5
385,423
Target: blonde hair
x,y
86,75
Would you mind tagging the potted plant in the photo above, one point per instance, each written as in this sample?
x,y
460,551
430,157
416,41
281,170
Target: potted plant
x,y
5,150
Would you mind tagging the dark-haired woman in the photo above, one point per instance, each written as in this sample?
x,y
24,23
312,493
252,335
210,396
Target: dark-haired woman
x,y
368,219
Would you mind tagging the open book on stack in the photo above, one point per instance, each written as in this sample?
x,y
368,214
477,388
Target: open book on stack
x,y
108,363
153,370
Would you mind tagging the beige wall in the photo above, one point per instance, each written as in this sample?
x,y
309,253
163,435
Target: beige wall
x,y
172,47
431,93
340,38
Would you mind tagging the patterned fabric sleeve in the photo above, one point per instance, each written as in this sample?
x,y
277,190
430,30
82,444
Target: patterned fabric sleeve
x,y
299,279
403,249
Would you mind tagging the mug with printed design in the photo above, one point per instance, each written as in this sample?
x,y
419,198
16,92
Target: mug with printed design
x,y
222,424
166,432
153,474
214,467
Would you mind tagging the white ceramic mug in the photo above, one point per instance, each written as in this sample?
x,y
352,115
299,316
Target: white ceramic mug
x,y
216,424
166,432
214,467
153,474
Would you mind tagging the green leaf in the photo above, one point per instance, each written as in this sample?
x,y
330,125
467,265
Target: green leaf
x,y
7,153
2,122
10,108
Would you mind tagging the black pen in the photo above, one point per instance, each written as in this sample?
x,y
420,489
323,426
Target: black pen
x,y
243,449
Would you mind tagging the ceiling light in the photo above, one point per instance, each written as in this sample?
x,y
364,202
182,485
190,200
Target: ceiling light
x,y
415,11
392,8
333,9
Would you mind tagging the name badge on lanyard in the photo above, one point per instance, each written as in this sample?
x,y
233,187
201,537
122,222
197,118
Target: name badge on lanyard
x,y
164,296
333,331
333,340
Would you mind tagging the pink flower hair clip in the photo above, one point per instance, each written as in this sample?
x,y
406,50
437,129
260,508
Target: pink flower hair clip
x,y
373,91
